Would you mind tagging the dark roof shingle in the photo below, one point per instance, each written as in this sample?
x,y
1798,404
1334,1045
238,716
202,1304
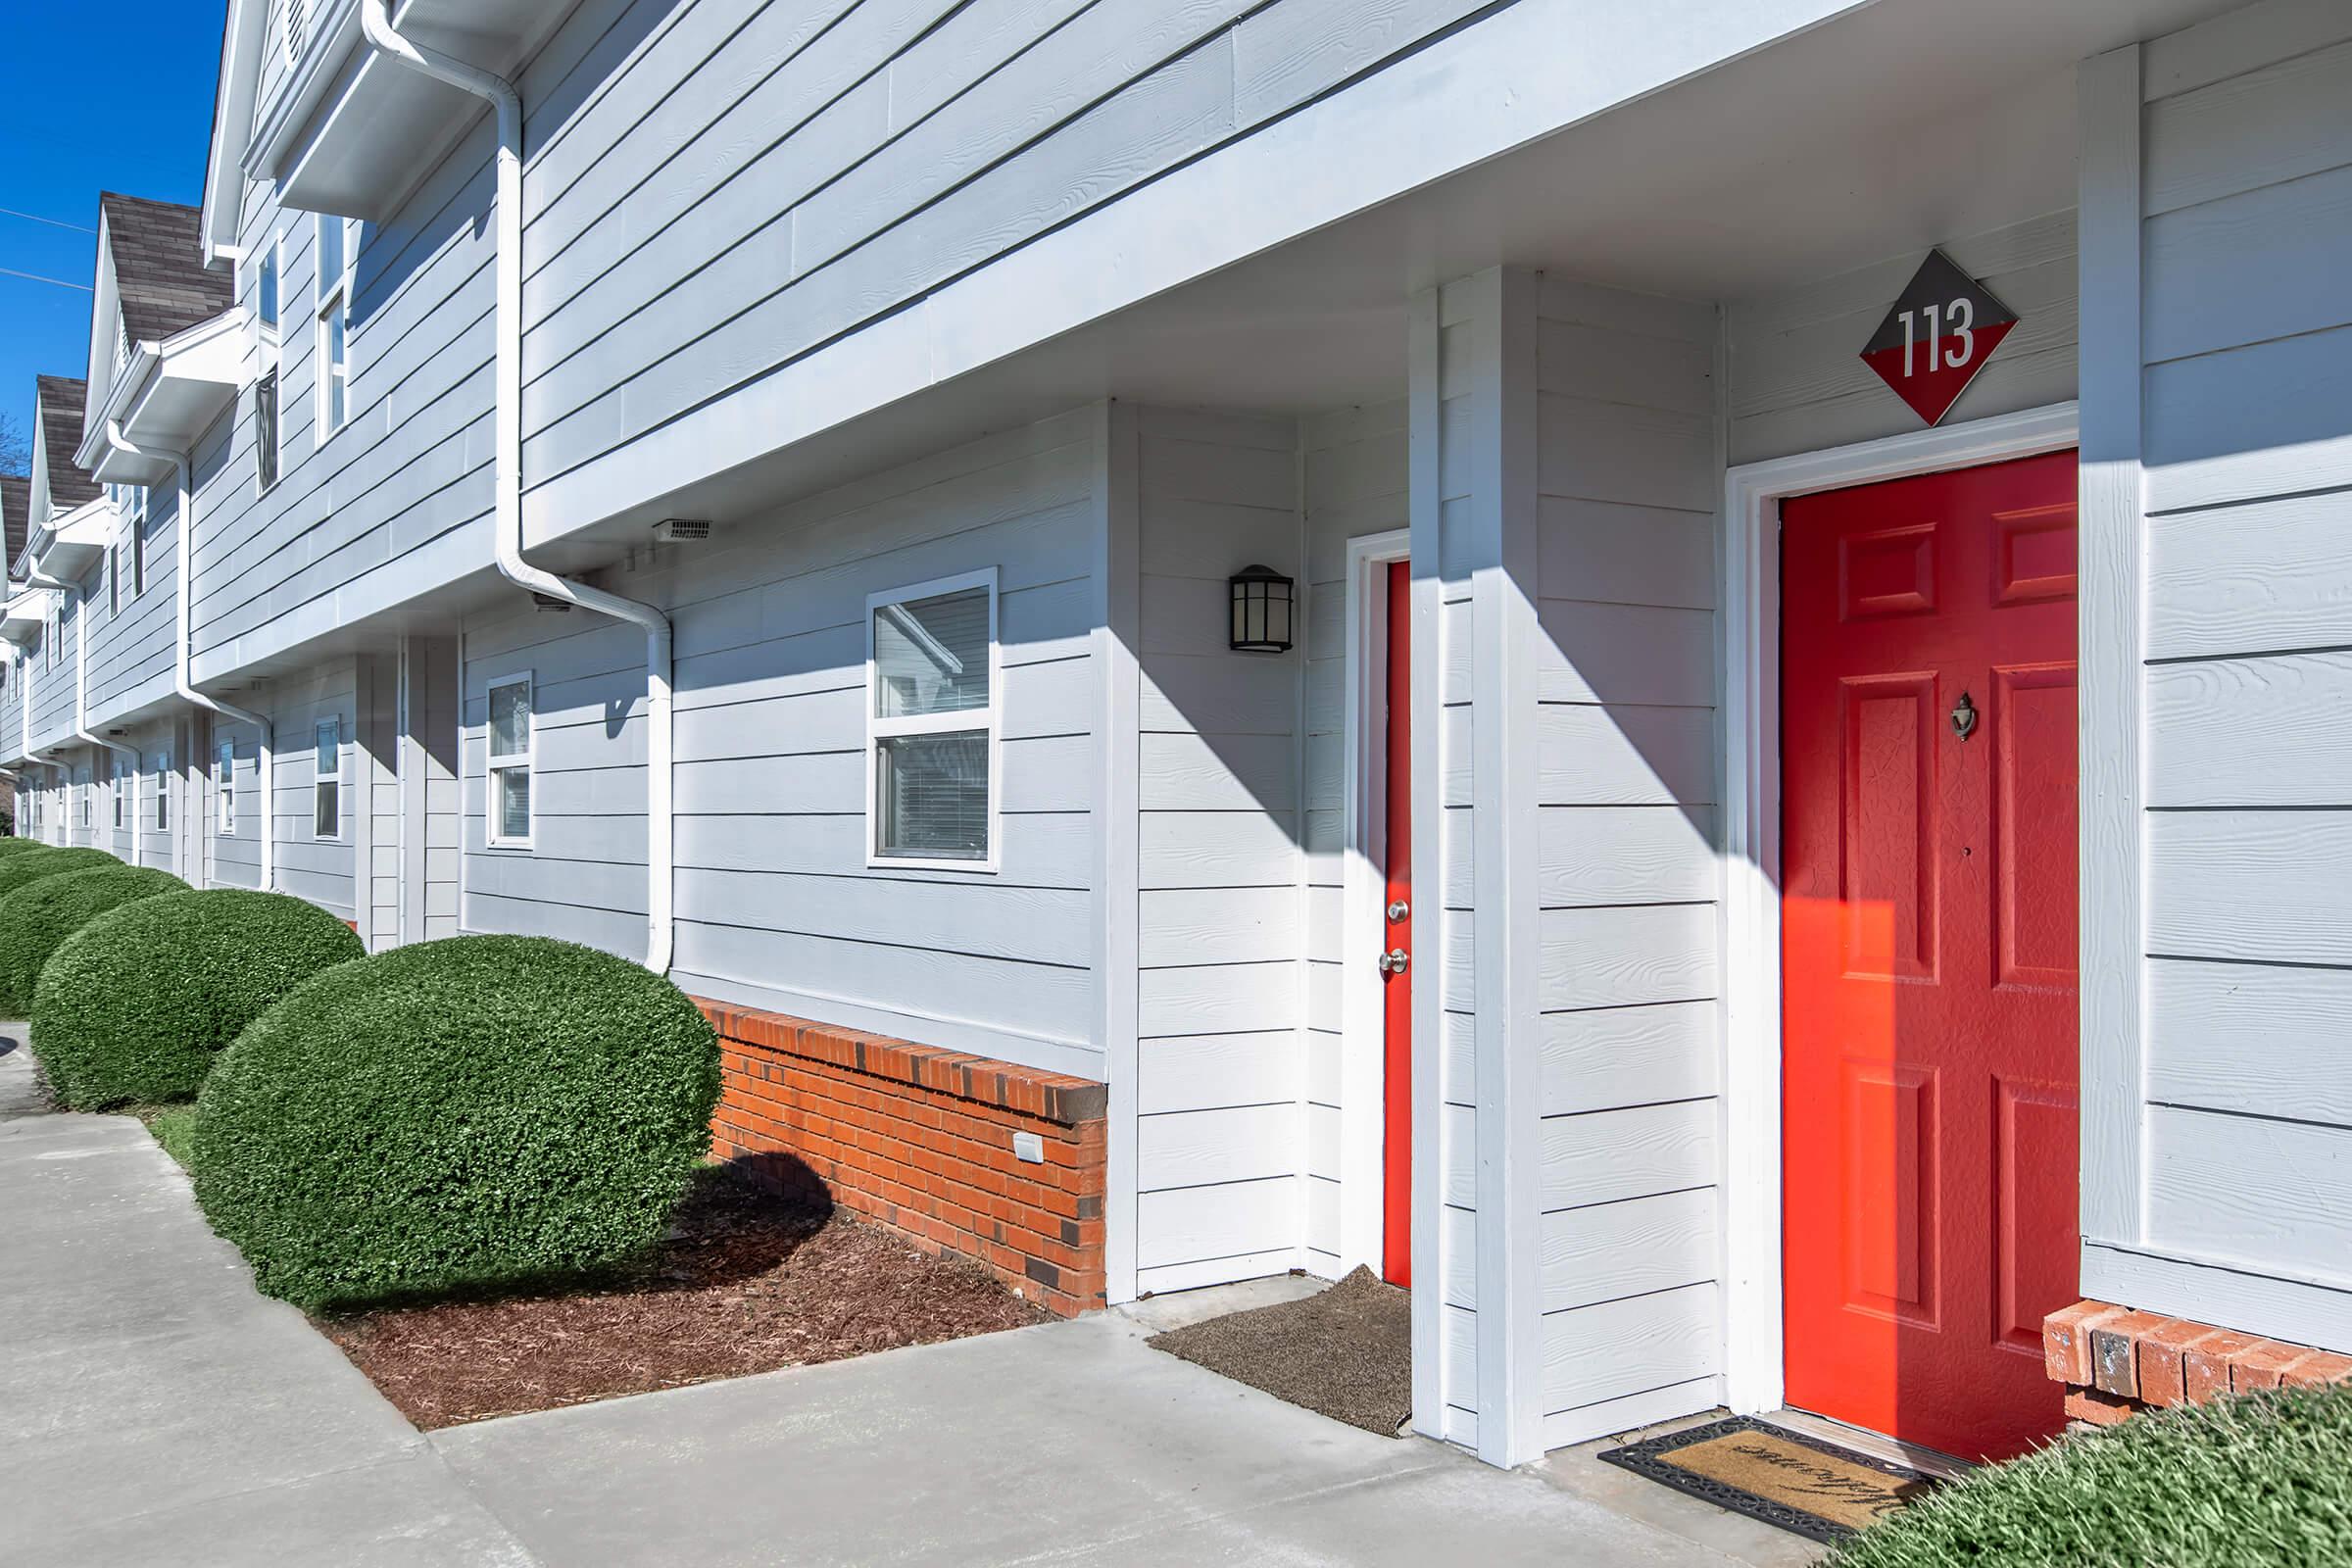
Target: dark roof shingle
x,y
16,498
160,274
61,398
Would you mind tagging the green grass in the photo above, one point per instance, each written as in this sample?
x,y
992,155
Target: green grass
x,y
174,1127
2265,1480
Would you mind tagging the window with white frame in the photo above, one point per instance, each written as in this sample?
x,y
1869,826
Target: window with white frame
x,y
138,555
163,792
931,723
114,579
266,419
225,790
509,749
337,254
122,782
328,814
84,787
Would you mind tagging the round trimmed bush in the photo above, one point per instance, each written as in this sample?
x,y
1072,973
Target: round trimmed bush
x,y
455,1117
36,918
136,1006
17,869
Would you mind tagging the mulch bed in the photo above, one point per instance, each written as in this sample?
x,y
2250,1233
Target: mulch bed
x,y
746,1282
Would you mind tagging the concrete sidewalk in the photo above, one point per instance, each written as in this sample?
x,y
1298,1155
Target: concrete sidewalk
x,y
1067,1444
154,1408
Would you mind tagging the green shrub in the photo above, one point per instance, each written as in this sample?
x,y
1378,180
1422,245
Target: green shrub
x,y
36,918
2263,1480
134,1008
472,1116
13,845
48,861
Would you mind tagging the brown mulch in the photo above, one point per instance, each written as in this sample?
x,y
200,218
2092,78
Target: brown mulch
x,y
1346,1351
746,1282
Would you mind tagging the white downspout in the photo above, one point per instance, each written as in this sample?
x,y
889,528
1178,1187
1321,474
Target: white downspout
x,y
81,702
183,664
375,20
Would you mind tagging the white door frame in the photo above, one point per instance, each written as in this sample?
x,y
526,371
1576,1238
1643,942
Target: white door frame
x,y
1364,924
1751,850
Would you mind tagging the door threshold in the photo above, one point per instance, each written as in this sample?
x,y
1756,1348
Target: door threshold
x,y
1875,1444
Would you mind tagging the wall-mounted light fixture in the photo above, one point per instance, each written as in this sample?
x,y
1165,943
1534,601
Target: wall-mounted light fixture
x,y
1261,611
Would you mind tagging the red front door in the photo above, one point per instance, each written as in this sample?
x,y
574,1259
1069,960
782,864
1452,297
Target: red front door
x,y
1396,918
1929,1011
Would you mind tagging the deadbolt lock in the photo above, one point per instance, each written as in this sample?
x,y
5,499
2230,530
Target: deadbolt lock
x,y
1395,960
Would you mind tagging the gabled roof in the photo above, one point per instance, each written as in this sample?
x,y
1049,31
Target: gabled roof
x,y
61,398
160,274
16,504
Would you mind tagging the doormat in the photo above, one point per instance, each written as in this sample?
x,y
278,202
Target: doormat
x,y
1345,1352
1784,1478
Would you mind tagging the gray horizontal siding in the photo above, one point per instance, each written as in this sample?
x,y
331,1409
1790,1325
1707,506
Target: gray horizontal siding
x,y
775,901
2246,206
893,145
131,646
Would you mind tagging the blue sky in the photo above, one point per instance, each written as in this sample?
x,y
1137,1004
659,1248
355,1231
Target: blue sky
x,y
91,98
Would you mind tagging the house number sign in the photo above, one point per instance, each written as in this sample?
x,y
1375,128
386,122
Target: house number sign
x,y
1940,332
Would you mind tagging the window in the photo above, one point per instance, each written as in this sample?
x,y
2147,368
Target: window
x,y
509,761
327,822
113,580
227,790
83,788
264,386
264,428
264,289
138,555
337,253
124,782
163,791
931,723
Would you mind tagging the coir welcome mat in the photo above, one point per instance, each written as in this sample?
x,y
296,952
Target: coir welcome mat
x,y
1798,1483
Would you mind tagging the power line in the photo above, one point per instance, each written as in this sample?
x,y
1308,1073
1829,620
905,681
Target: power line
x,y
53,222
10,272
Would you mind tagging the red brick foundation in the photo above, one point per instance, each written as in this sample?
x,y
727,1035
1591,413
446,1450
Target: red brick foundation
x,y
922,1140
2114,1361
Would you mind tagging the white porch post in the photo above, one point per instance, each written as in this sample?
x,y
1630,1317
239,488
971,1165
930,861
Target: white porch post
x,y
1474,445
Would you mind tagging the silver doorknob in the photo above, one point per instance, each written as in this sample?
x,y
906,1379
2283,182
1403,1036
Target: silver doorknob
x,y
1398,910
1395,960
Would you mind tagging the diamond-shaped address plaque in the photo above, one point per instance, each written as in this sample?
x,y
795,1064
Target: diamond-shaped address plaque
x,y
1942,329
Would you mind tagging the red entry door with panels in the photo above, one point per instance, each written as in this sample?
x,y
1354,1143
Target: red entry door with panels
x,y
1397,924
1929,1020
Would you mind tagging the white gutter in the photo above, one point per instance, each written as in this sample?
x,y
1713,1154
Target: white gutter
x,y
375,20
81,701
182,661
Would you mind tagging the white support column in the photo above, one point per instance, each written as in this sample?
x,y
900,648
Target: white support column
x,y
1119,722
1479,421
2113,531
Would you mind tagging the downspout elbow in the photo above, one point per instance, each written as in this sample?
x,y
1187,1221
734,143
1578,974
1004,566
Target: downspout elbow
x,y
375,23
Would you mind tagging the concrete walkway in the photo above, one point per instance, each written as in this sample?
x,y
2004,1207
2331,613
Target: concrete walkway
x,y
155,1409
1069,1444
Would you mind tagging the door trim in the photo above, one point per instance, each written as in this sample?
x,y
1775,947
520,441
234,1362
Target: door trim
x,y
1750,856
1363,1076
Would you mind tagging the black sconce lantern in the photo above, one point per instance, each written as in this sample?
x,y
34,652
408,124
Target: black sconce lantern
x,y
1261,611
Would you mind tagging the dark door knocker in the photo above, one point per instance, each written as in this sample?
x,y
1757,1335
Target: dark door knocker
x,y
1964,716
